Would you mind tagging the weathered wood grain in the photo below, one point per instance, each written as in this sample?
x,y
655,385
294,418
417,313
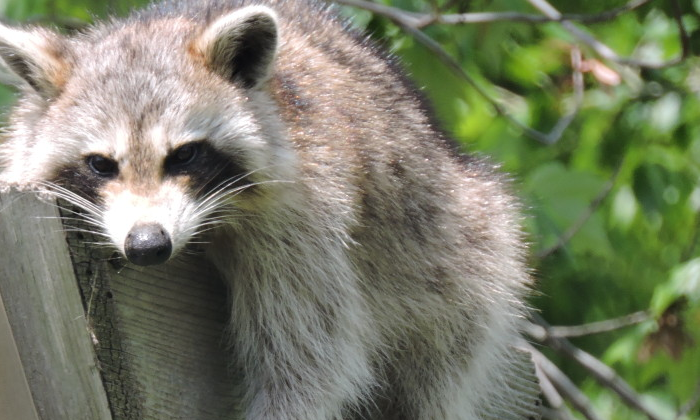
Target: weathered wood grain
x,y
159,335
45,313
15,399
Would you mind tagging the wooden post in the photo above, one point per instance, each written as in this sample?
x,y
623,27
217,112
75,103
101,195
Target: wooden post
x,y
98,339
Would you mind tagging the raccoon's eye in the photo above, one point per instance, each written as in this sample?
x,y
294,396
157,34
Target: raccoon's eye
x,y
182,156
102,166
185,154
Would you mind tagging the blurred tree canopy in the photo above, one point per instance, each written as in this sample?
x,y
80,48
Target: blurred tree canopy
x,y
594,108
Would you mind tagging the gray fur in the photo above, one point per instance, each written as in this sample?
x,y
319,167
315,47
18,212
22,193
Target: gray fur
x,y
374,272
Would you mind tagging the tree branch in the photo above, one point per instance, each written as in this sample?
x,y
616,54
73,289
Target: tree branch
x,y
564,385
584,216
603,373
420,20
607,52
601,326
690,404
556,414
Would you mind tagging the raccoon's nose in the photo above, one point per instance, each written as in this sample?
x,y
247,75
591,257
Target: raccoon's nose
x,y
148,244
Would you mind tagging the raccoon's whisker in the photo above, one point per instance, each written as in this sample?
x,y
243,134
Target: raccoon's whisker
x,y
214,216
214,220
217,196
190,252
78,201
80,206
228,182
220,189
224,185
65,219
88,231
198,243
100,244
71,197
211,203
205,212
82,219
74,215
207,226
88,218
213,175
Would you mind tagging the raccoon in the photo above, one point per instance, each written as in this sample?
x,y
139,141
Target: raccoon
x,y
374,271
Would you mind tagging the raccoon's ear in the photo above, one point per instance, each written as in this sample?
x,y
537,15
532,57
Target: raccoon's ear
x,y
36,56
241,45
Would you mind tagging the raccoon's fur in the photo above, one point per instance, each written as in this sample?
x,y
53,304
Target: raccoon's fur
x,y
374,271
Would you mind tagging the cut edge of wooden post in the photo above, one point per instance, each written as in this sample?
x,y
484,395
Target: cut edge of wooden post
x,y
16,400
45,313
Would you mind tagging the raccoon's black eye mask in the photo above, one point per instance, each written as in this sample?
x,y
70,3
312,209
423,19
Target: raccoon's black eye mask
x,y
207,168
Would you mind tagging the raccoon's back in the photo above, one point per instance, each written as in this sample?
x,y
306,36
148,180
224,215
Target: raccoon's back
x,y
334,86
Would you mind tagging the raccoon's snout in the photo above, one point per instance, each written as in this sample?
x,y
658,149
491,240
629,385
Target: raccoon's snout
x,y
148,244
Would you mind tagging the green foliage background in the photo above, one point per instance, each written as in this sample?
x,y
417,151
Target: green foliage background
x,y
633,147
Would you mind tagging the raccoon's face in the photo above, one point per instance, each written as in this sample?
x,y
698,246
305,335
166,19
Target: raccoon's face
x,y
159,131
151,200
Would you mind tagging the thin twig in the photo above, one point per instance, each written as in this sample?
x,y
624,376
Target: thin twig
x,y
555,414
577,80
605,15
607,52
558,410
690,404
420,20
549,392
603,373
487,17
393,13
600,326
685,38
585,215
564,385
